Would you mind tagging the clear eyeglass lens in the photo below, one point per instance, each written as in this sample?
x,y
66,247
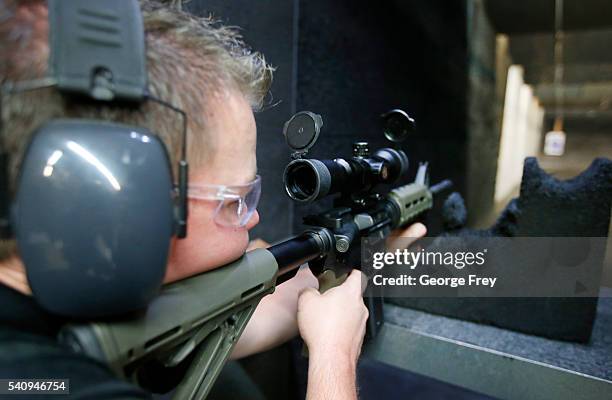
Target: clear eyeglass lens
x,y
232,212
237,210
236,205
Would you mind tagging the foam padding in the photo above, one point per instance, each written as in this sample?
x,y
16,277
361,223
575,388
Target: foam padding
x,y
546,207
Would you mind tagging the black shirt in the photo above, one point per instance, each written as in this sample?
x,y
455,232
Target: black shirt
x,y
29,349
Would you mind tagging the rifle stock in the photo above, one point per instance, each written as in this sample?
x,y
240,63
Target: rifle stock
x,y
200,317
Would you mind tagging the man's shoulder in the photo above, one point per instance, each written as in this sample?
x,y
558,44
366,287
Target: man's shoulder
x,y
25,355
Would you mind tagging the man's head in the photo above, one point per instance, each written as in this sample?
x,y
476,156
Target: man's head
x,y
192,63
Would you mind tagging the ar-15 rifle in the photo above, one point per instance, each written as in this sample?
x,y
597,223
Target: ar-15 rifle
x,y
192,326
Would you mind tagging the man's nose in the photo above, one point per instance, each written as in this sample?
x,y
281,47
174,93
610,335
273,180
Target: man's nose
x,y
253,221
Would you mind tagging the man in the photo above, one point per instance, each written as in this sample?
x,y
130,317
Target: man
x,y
207,71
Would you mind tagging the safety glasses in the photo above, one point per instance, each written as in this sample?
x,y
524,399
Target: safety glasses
x,y
236,203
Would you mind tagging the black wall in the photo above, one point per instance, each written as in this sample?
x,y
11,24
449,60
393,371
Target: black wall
x,y
267,26
358,59
350,61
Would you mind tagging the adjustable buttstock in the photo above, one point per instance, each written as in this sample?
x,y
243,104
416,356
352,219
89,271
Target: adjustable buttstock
x,y
197,320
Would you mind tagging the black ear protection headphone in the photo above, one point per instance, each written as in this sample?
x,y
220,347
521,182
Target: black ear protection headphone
x,y
95,205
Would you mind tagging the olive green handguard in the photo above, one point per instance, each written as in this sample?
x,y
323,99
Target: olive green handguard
x,y
411,200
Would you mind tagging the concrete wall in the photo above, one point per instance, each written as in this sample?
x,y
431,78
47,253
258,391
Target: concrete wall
x,y
521,135
483,121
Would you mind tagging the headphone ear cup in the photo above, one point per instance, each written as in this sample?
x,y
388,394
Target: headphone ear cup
x,y
93,217
5,203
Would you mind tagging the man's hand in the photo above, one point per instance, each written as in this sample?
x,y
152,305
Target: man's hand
x,y
332,326
334,322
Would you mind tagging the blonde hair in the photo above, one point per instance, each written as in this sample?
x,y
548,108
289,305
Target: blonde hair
x,y
189,61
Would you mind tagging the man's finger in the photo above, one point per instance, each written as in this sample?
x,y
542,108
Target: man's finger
x,y
415,230
403,239
356,282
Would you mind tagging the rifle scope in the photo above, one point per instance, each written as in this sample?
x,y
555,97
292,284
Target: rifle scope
x,y
307,180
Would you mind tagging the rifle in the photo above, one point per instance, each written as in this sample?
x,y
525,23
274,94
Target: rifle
x,y
192,326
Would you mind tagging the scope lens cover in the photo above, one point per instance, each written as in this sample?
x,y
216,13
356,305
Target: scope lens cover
x,y
398,125
302,130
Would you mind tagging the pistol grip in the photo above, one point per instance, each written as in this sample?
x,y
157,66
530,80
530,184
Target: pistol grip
x,y
328,279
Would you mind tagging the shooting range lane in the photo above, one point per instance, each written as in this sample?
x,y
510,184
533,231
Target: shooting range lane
x,y
496,361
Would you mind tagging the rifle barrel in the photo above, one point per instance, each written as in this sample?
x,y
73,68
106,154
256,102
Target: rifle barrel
x,y
292,253
440,186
